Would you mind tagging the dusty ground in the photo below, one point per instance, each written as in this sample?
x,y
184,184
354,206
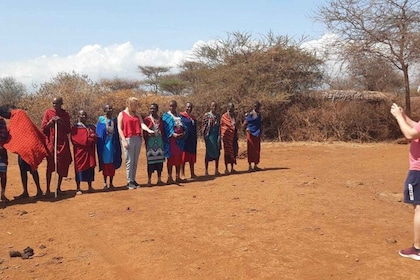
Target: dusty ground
x,y
316,211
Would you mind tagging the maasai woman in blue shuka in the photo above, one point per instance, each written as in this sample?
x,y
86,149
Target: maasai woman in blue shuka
x,y
190,148
210,128
176,134
108,145
253,136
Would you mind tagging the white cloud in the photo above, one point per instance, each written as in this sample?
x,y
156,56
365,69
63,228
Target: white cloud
x,y
324,49
120,61
95,61
320,44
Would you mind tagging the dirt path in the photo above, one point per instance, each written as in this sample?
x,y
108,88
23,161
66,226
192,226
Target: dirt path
x,y
316,211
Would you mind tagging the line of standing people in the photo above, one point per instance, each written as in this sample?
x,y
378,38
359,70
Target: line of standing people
x,y
172,137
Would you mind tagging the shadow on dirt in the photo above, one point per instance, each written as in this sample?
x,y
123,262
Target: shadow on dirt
x,y
72,193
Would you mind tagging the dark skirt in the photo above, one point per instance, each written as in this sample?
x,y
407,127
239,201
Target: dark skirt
x,y
87,175
154,166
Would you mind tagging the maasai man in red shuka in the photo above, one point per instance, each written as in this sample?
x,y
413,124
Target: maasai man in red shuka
x,y
84,139
30,152
253,125
57,115
229,132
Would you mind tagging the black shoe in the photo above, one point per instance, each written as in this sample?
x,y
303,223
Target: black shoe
x,y
131,186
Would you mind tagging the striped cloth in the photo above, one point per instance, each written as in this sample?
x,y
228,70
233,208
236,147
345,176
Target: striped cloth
x,y
229,133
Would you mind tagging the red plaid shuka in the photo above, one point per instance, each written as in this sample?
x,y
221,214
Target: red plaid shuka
x,y
26,139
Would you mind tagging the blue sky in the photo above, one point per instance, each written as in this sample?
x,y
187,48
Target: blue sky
x,y
56,34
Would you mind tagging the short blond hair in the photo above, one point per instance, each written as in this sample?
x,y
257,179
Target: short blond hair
x,y
131,100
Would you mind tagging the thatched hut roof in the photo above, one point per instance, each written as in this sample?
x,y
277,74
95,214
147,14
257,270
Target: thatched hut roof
x,y
353,95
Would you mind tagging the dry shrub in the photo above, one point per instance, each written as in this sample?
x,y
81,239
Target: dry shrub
x,y
342,121
285,117
415,108
93,103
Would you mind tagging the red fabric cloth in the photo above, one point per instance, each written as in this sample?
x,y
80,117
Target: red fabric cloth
x,y
175,160
253,148
63,146
108,169
229,132
26,139
131,125
188,157
84,146
176,153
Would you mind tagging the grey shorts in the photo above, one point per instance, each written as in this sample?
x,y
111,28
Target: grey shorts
x,y
412,188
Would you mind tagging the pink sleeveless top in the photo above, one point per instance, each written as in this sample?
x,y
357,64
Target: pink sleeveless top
x,y
131,125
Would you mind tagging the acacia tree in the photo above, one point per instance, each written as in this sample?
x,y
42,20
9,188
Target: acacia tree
x,y
153,76
366,75
173,84
243,66
389,29
119,84
11,91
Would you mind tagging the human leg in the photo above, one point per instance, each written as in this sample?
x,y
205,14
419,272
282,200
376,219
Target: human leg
x,y
77,185
137,148
35,177
149,175
60,180
412,196
129,159
159,181
170,179
183,170
192,171
159,173
232,170
90,188
178,173
216,166
24,180
3,182
23,168
206,166
414,251
105,184
417,226
226,168
48,176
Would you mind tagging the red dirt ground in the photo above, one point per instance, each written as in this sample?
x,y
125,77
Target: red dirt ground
x,y
316,211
